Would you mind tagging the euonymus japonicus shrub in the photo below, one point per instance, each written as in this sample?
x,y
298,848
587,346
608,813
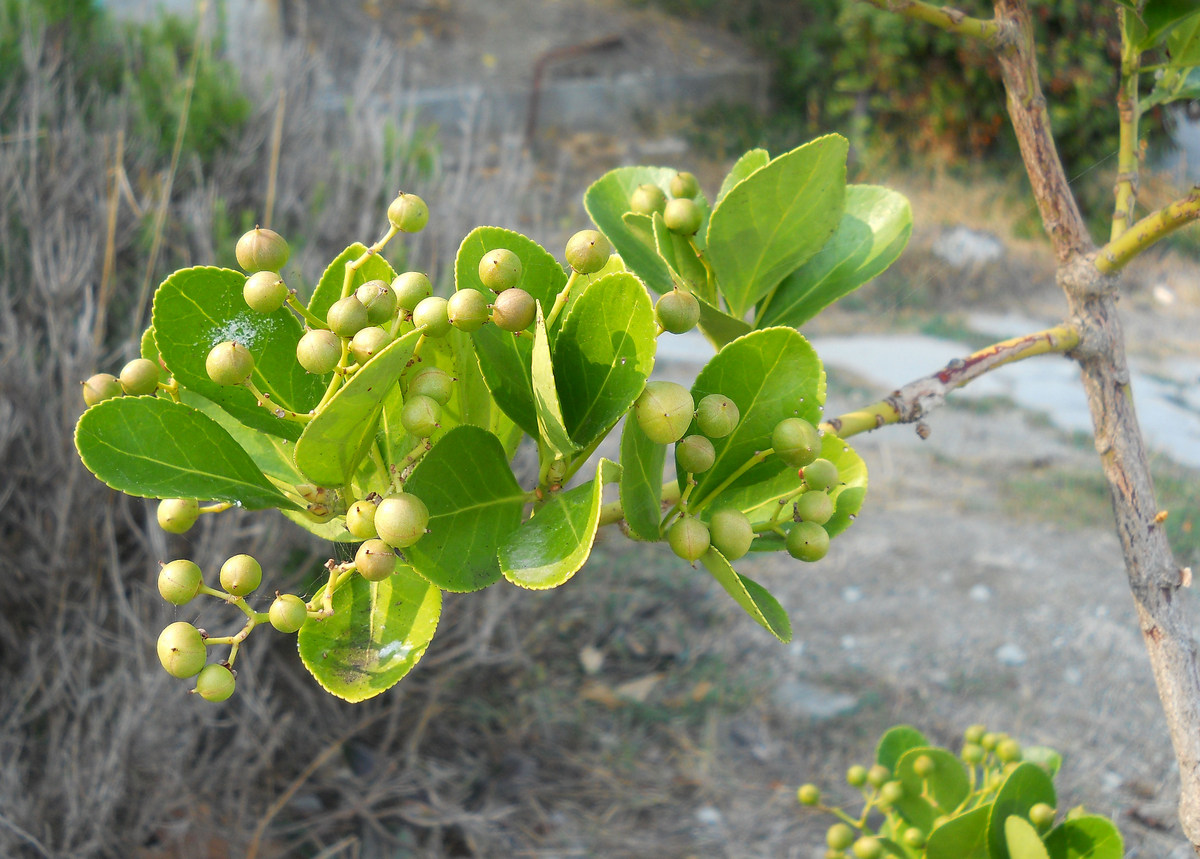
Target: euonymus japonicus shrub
x,y
380,415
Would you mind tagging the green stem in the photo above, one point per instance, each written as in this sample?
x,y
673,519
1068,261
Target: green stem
x,y
1125,191
220,507
309,319
564,296
1157,225
951,20
728,481
353,267
264,400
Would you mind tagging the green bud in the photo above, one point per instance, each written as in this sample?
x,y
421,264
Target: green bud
x,y
100,387
891,792
807,541
177,515
375,560
179,581
408,213
588,251
924,766
732,533
808,794
974,733
695,454
229,363
1041,816
648,199
410,288
467,310
500,269
514,310
319,351
288,613
683,216
241,575
215,683
717,416
432,316
400,519
914,837
181,650
973,753
139,377
265,292
1009,751
868,848
261,250
688,538
664,411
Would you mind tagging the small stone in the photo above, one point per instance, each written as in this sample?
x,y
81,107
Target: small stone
x,y
980,593
709,816
1010,654
852,594
813,702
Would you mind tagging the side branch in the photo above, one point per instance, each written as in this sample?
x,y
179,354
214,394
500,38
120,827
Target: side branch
x,y
918,398
1157,225
951,20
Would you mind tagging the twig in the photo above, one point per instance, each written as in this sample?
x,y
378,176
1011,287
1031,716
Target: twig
x,y
1150,229
104,294
276,146
1128,112
952,20
918,398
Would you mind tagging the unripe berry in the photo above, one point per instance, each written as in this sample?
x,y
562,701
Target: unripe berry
x,y
215,683
808,794
375,560
241,575
974,733
683,216
807,541
179,581
347,316
684,184
664,411
588,251
914,837
229,363
891,793
820,474
261,250
432,316
878,775
410,288
856,776
868,848
814,506
379,300
408,213
973,753
688,538
796,441
419,416
467,310
432,382
695,453
717,415
288,613
177,515
139,377
677,311
1008,751
265,292
360,520
368,342
648,199
1041,816
400,519
839,836
924,766
319,351
732,533
514,310
990,740
500,269
181,650
101,387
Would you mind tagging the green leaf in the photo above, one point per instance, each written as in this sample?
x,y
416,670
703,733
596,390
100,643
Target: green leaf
x,y
607,202
197,308
770,375
893,744
641,482
874,230
851,491
377,633
603,355
1184,43
545,394
1045,757
329,288
1162,16
1086,837
552,546
1022,840
155,448
505,359
751,161
271,454
334,442
750,595
1026,786
686,269
961,837
474,505
924,798
719,327
775,219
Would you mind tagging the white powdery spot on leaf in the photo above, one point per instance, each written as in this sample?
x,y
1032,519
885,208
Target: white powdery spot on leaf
x,y
245,328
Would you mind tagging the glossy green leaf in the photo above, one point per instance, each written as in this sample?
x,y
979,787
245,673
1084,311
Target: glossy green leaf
x,y
1183,43
752,160
874,230
155,448
1045,757
750,595
719,327
552,546
1026,786
332,282
505,359
961,837
1086,837
474,505
775,219
1022,840
549,412
1163,16
893,744
770,375
641,482
926,799
607,202
270,453
603,355
335,441
377,633
686,269
197,308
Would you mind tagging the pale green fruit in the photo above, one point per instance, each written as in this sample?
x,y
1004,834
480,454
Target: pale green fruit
x,y
688,538
664,411
815,506
241,575
683,216
177,515
179,581
796,441
400,519
684,185
215,683
820,474
514,310
101,387
677,311
420,415
732,533
139,377
432,382
408,213
379,300
807,541
368,342
265,292
288,613
360,520
229,363
433,316
717,415
375,560
410,288
467,310
347,316
319,351
500,269
261,250
648,199
588,251
181,650
695,454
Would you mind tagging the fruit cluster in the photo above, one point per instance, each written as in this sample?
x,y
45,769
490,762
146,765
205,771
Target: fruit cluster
x,y
680,211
